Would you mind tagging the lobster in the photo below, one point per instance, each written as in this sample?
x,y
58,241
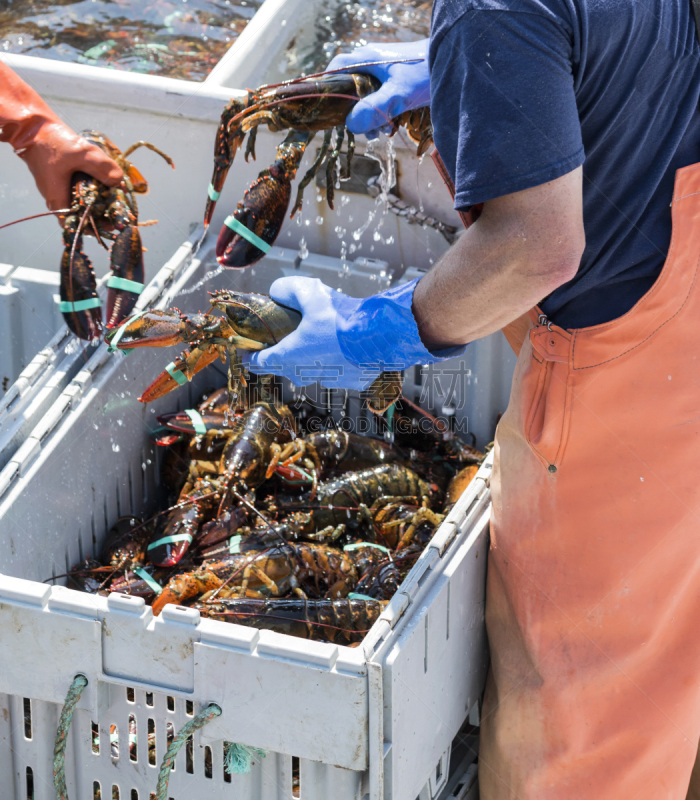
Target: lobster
x,y
125,544
305,106
348,499
397,524
262,567
252,322
343,621
174,532
110,213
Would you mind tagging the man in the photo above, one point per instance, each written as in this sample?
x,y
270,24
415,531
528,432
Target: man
x,y
51,150
570,120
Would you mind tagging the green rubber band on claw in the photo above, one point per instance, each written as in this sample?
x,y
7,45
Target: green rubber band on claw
x,y
357,545
357,596
120,332
65,306
213,194
146,578
115,282
234,544
178,376
241,230
176,537
199,427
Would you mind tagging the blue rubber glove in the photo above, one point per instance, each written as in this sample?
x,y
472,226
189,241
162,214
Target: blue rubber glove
x,y
344,342
404,86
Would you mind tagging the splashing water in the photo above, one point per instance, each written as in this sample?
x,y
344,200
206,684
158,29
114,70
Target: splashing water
x,y
382,151
207,277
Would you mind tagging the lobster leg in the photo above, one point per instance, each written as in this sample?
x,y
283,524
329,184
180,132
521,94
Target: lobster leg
x,y
346,173
250,144
229,137
80,304
143,143
126,282
313,169
250,231
331,165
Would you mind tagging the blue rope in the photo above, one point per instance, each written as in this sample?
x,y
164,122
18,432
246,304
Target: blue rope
x,y
238,758
59,749
204,716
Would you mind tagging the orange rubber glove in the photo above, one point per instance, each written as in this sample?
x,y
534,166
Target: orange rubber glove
x,y
51,150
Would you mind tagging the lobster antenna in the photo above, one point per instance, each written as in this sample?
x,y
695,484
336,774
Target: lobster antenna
x,y
78,234
36,216
342,69
285,619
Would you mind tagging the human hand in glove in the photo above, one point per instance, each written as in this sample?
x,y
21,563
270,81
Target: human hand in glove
x,y
51,150
404,86
341,341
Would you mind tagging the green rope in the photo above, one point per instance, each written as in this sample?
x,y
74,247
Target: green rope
x,y
238,758
59,748
204,716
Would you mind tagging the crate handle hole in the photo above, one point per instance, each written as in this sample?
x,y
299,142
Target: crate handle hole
x,y
189,756
27,718
296,777
96,790
130,694
134,794
149,699
171,703
189,708
114,741
170,735
208,772
95,734
133,739
115,792
152,739
30,784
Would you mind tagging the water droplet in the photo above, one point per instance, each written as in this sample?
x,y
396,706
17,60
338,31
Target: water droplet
x,y
115,447
319,220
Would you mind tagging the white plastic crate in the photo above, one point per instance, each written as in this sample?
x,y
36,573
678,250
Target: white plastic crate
x,y
40,385
376,720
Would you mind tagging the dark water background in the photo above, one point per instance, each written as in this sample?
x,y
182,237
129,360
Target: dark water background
x,y
347,26
186,38
175,38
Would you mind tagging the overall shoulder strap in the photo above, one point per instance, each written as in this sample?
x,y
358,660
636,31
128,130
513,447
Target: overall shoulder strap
x,y
695,5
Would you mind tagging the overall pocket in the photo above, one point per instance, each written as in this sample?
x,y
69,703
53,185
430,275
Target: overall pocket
x,y
547,421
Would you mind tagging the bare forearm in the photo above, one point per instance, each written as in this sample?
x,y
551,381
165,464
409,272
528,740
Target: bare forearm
x,y
521,248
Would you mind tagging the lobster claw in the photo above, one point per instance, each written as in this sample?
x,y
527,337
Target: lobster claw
x,y
229,137
249,233
173,535
126,281
155,328
80,305
181,371
184,421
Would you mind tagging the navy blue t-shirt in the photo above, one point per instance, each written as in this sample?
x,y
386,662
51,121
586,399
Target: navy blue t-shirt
x,y
524,91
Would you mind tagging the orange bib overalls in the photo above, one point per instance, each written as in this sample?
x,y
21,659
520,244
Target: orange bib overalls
x,y
593,588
